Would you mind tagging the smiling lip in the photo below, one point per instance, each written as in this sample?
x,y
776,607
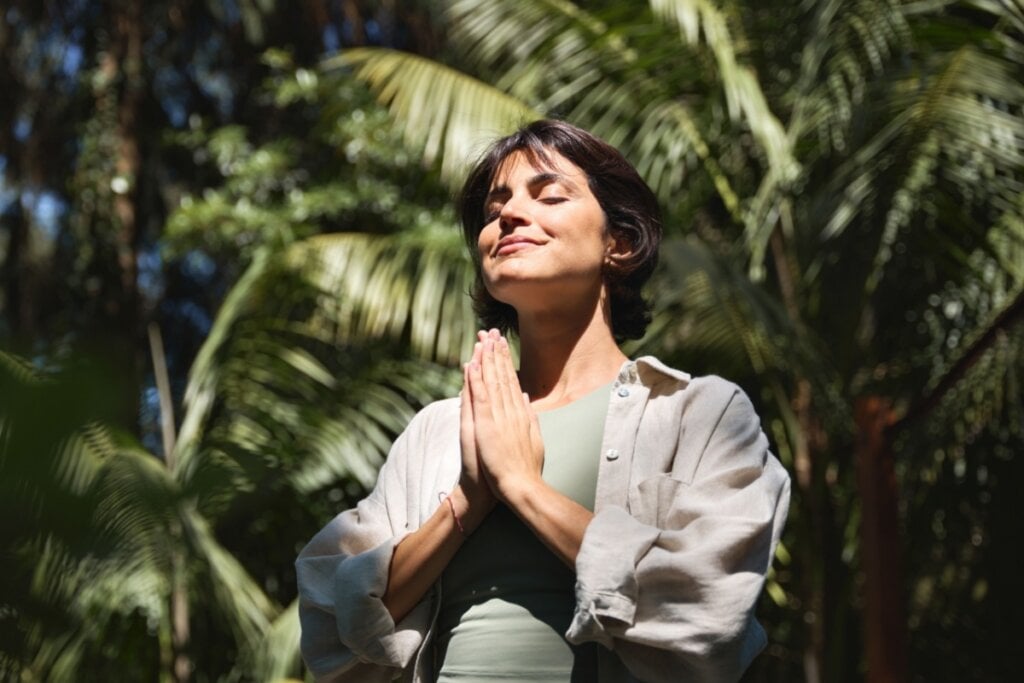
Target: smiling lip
x,y
513,244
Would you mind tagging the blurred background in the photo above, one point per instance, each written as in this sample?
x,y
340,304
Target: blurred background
x,y
230,272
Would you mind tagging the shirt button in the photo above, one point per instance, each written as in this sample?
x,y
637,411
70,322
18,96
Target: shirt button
x,y
623,392
611,454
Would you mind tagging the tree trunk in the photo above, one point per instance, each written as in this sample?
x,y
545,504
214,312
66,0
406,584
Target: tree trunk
x,y
816,513
110,314
885,625
17,305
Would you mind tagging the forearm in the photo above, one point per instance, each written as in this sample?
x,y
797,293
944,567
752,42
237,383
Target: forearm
x,y
557,520
421,556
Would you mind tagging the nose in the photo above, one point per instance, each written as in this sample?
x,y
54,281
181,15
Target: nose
x,y
513,214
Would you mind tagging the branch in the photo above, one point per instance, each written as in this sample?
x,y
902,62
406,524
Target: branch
x,y
1009,316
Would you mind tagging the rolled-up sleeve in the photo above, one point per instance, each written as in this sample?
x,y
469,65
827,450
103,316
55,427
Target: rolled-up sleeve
x,y
671,584
347,632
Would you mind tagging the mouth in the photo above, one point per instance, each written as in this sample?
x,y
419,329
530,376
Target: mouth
x,y
514,244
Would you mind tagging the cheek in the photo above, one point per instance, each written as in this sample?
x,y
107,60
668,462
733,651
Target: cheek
x,y
484,243
486,238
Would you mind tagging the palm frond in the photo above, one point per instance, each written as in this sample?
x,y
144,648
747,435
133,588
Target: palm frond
x,y
574,63
205,373
744,95
541,50
389,286
952,128
237,595
352,442
447,114
848,45
711,318
276,394
278,655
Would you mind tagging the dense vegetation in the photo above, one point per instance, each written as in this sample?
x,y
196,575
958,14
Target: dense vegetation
x,y
230,273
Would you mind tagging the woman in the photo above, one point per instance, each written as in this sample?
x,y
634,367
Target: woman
x,y
589,518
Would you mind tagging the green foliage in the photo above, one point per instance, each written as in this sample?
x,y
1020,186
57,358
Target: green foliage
x,y
841,183
347,172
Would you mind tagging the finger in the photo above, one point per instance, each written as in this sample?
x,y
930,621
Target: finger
x,y
477,389
478,348
491,377
466,405
499,375
507,366
475,358
467,432
508,382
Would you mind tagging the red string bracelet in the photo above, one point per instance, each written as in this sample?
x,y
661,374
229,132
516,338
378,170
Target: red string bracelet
x,y
442,496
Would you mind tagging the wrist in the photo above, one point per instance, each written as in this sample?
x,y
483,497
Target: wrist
x,y
468,509
517,491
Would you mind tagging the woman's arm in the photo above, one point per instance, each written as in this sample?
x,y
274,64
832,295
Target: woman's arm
x,y
347,633
422,555
672,584
361,579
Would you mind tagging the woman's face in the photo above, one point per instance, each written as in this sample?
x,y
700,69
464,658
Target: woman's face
x,y
543,228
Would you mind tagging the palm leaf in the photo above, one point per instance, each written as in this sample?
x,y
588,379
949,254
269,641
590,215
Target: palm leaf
x,y
447,114
743,93
273,385
575,63
712,318
389,286
947,129
237,595
278,654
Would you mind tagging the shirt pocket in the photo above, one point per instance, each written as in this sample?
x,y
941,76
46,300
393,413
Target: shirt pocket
x,y
654,499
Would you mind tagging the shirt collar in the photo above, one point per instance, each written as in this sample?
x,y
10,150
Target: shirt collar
x,y
647,370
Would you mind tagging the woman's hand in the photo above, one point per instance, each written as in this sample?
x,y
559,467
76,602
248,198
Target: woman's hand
x,y
508,437
478,498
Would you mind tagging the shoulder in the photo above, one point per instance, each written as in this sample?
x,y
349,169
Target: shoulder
x,y
434,419
714,396
703,397
424,448
719,428
443,410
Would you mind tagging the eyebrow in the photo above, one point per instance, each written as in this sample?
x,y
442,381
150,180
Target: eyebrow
x,y
538,180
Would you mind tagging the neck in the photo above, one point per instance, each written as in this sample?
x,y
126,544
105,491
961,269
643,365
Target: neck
x,y
565,356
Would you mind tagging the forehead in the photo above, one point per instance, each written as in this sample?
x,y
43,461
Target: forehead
x,y
529,162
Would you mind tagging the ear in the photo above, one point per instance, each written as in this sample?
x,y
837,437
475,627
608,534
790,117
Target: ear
x,y
618,250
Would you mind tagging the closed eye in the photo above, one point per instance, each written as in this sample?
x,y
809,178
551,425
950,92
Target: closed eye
x,y
491,213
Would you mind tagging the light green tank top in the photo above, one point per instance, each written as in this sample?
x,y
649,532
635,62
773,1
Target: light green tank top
x,y
506,600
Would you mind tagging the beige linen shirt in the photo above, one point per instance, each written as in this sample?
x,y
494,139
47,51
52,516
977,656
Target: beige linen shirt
x,y
689,508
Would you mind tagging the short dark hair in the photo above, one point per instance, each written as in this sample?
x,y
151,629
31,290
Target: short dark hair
x,y
630,208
